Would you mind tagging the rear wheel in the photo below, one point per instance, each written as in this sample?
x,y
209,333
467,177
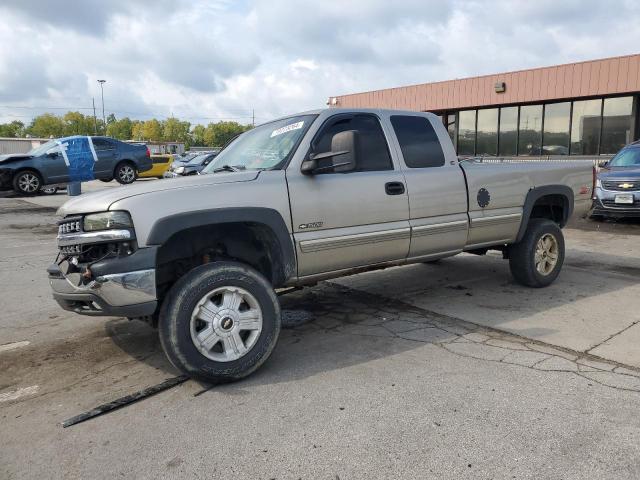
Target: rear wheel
x,y
220,322
125,173
537,259
27,182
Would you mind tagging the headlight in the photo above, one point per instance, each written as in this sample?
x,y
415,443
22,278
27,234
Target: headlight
x,y
106,221
598,183
179,170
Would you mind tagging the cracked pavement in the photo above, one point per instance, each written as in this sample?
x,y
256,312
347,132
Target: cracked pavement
x,y
429,371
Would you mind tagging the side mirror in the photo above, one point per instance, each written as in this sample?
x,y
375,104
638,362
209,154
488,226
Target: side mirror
x,y
342,156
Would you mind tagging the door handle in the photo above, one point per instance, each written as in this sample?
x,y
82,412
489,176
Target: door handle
x,y
394,188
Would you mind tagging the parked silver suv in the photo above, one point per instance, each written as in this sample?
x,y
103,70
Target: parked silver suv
x,y
297,200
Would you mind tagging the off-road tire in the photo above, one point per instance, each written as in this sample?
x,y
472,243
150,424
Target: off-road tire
x,y
174,323
522,254
19,182
125,173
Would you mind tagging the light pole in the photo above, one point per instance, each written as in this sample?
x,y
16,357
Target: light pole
x,y
104,120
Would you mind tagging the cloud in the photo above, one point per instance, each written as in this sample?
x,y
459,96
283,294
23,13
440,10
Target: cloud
x,y
205,60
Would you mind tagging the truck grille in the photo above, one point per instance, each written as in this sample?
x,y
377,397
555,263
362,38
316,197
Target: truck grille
x,y
621,185
69,226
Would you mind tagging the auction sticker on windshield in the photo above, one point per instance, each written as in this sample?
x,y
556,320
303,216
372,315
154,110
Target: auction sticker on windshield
x,y
287,128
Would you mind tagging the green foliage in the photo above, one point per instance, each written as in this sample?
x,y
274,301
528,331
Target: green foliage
x,y
173,130
218,134
13,129
46,125
152,130
120,129
170,130
197,136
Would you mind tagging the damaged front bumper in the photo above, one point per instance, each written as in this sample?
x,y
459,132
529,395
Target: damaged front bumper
x,y
128,294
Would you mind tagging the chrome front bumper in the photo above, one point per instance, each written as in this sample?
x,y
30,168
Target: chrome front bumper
x,y
130,294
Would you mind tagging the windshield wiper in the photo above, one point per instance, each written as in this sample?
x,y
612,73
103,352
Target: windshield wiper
x,y
229,168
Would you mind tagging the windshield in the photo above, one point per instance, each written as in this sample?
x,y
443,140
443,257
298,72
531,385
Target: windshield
x,y
197,160
265,147
628,157
42,149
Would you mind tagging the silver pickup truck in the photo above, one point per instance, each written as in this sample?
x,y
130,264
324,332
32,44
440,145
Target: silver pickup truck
x,y
311,196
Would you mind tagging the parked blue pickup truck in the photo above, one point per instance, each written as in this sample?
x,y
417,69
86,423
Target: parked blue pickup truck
x,y
76,158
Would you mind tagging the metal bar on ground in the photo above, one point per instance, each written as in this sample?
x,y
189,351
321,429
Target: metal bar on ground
x,y
124,401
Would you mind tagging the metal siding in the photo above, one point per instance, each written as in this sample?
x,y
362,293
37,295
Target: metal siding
x,y
593,78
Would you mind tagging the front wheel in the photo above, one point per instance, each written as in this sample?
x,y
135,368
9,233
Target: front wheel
x,y
536,260
220,322
27,182
125,173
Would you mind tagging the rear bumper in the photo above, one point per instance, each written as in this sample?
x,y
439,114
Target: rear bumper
x,y
128,294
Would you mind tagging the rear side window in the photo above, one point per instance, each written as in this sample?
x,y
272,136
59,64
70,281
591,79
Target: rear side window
x,y
101,144
373,152
418,141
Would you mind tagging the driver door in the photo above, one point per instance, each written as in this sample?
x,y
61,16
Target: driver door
x,y
355,218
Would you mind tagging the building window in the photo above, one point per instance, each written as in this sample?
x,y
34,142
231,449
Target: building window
x,y
616,124
466,132
556,129
530,139
585,127
487,136
451,126
509,131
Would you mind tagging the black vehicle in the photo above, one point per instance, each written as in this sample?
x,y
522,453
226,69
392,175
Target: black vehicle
x,y
191,167
617,192
76,158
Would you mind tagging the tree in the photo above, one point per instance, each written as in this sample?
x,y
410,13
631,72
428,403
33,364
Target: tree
x,y
173,130
12,130
197,136
152,130
136,130
218,134
75,123
121,129
46,125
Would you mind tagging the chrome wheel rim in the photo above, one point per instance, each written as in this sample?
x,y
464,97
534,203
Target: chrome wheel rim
x,y
28,182
226,323
546,257
127,174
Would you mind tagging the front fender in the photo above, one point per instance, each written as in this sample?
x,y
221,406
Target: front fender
x,y
164,228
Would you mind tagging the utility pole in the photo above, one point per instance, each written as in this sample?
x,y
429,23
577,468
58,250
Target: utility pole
x,y
104,119
253,117
95,120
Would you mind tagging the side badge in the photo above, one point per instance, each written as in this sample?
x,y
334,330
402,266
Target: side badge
x,y
483,197
312,225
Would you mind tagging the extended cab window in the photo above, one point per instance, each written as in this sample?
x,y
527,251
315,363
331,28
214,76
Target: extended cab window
x,y
101,144
373,152
418,141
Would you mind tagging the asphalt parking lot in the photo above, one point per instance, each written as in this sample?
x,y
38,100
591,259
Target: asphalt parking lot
x,y
446,370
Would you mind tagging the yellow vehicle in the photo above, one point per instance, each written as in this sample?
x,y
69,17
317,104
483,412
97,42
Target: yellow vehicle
x,y
161,164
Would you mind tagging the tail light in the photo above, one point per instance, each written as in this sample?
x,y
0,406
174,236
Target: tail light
x,y
148,153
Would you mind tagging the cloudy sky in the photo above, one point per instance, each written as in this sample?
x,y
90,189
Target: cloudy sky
x,y
223,59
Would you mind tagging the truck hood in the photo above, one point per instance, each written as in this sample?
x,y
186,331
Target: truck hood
x,y
619,173
13,157
102,200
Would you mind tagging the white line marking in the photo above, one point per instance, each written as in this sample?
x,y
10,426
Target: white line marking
x,y
16,394
12,346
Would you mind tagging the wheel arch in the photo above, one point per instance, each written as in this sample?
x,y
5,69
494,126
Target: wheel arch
x,y
554,202
257,236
